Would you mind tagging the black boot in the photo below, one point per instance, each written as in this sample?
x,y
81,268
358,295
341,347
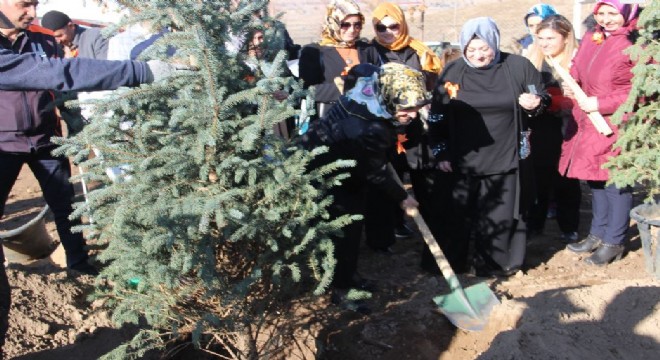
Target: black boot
x,y
588,244
605,254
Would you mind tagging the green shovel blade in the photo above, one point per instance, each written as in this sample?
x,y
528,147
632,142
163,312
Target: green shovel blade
x,y
468,308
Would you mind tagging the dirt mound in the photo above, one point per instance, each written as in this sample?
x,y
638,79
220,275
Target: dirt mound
x,y
558,308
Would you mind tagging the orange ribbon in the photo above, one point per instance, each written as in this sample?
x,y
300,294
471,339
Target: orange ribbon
x,y
400,139
452,89
598,38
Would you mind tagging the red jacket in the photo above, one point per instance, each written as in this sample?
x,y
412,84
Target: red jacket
x,y
603,71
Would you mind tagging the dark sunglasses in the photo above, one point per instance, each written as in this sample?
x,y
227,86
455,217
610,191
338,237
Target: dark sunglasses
x,y
383,28
346,25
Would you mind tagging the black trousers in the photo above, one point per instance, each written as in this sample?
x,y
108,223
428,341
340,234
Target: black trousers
x,y
433,191
53,174
382,214
482,212
349,198
546,140
568,196
381,217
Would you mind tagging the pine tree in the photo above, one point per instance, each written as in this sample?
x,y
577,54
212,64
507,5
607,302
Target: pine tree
x,y
218,223
639,136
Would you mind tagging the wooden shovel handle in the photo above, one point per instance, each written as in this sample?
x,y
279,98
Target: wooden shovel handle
x,y
435,249
596,118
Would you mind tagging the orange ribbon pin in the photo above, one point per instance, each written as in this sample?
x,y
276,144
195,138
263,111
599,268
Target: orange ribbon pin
x,y
598,38
452,89
400,139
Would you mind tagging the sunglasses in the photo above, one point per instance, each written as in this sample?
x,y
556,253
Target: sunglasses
x,y
347,25
383,28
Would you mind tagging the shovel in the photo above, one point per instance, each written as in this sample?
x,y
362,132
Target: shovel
x,y
468,308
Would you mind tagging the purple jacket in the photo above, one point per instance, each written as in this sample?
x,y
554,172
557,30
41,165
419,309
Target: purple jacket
x,y
26,122
603,71
77,74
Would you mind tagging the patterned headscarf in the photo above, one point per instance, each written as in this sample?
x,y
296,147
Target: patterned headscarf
x,y
337,11
429,61
394,87
628,11
485,29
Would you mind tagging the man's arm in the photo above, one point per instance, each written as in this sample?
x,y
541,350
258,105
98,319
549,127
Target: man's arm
x,y
29,72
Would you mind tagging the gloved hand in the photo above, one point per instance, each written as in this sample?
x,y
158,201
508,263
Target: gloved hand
x,y
158,70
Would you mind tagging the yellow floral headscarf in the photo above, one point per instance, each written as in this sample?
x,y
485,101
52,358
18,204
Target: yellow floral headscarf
x,y
429,60
402,87
337,11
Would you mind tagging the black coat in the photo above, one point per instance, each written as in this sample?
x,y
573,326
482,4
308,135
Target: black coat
x,y
351,132
320,65
457,130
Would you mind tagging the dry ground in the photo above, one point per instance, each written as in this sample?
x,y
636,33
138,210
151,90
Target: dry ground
x,y
558,308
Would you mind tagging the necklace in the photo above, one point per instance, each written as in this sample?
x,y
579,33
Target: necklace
x,y
349,55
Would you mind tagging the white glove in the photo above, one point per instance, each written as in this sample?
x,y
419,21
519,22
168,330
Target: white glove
x,y
158,70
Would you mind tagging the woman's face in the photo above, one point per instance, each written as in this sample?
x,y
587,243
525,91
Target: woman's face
x,y
550,42
350,27
609,18
387,30
405,116
478,53
532,23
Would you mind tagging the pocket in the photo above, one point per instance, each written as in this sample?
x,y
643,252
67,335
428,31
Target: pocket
x,y
13,111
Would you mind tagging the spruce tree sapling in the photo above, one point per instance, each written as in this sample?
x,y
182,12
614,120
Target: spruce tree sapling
x,y
638,117
218,223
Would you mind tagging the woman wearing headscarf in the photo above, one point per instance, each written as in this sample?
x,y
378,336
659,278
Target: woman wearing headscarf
x,y
394,44
478,125
322,64
383,219
363,127
604,72
532,19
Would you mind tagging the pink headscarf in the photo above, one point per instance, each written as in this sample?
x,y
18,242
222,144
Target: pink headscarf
x,y
628,11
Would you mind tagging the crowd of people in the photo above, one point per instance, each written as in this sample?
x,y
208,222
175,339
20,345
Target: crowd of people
x,y
502,145
490,141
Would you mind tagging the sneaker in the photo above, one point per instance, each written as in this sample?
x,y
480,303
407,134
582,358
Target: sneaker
x,y
403,231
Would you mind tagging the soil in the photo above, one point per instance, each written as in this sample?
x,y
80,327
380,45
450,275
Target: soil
x,y
557,308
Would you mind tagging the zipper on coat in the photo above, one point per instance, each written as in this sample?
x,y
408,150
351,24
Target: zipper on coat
x,y
28,120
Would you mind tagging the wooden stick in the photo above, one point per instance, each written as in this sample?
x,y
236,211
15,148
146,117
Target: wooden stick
x,y
595,117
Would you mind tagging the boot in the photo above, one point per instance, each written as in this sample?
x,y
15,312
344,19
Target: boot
x,y
588,244
605,254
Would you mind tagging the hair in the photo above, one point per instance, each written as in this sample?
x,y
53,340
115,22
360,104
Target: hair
x,y
563,27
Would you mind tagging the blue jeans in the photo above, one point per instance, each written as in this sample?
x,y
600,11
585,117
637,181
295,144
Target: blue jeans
x,y
610,209
53,174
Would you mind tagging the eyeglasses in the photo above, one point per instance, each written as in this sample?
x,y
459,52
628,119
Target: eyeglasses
x,y
347,25
383,28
